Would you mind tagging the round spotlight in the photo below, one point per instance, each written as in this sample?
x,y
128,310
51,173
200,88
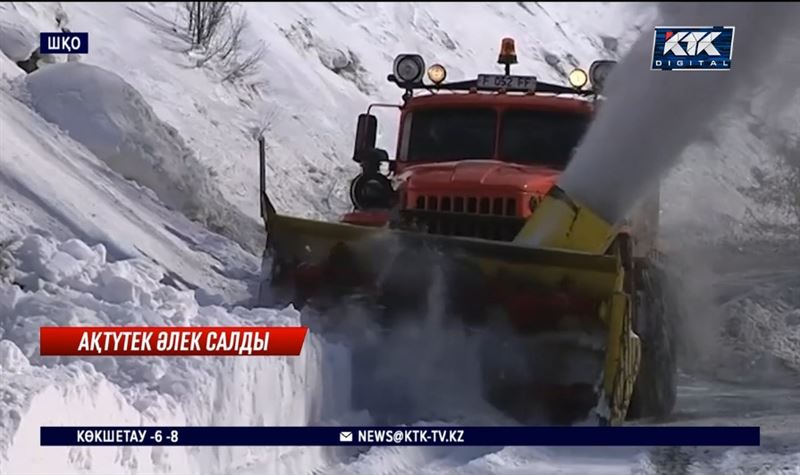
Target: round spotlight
x,y
578,78
370,191
437,73
599,71
409,68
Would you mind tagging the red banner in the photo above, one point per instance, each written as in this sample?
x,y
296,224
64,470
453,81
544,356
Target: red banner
x,y
171,341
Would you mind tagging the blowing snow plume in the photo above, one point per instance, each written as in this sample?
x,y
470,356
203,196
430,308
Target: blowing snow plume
x,y
652,116
423,369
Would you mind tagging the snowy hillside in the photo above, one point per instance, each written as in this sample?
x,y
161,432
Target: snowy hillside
x,y
128,195
324,63
309,108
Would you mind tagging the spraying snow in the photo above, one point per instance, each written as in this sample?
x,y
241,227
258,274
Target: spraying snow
x,y
445,383
654,119
652,116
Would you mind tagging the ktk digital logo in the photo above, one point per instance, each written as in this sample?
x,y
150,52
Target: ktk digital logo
x,y
692,48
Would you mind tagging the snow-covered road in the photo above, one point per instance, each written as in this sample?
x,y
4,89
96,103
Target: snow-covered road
x,y
746,382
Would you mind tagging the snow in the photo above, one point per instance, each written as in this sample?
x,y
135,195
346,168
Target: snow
x,y
54,184
69,283
120,128
15,39
127,196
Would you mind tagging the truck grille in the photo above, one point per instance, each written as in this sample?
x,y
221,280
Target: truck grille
x,y
468,216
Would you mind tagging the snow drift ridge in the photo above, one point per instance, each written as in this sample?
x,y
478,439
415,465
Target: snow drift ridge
x,y
113,120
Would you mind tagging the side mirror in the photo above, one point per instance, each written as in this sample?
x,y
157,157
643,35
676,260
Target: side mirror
x,y
366,135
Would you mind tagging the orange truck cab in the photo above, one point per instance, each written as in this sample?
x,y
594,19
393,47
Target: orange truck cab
x,y
473,158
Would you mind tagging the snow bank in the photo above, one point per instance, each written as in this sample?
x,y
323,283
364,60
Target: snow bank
x,y
51,183
47,282
17,36
14,45
107,115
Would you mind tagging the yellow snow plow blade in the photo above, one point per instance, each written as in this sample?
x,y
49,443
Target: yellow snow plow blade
x,y
562,223
315,242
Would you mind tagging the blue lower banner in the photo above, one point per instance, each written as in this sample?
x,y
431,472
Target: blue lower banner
x,y
440,435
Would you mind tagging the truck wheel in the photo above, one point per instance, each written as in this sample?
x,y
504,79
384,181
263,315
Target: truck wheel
x,y
655,390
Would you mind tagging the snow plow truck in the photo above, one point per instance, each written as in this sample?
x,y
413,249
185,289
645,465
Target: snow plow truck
x,y
579,307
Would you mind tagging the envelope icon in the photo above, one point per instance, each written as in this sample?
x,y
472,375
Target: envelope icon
x,y
346,436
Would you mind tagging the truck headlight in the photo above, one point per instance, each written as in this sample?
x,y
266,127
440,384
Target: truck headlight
x,y
578,78
437,73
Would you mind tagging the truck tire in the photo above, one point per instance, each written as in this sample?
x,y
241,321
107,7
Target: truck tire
x,y
655,391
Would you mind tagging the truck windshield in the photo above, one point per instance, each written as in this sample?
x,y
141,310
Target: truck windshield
x,y
533,137
452,134
541,137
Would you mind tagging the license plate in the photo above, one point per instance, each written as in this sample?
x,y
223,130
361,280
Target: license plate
x,y
514,83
